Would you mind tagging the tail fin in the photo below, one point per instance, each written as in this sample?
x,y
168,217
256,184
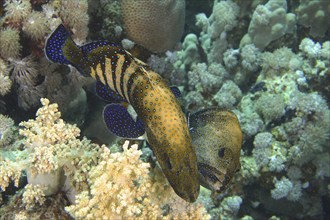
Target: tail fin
x,y
60,48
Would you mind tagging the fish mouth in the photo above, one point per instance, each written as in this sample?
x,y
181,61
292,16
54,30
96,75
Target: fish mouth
x,y
188,197
212,178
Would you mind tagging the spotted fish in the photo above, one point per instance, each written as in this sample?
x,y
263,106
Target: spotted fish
x,y
122,78
217,136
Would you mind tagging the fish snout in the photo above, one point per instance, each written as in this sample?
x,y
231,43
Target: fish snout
x,y
181,172
188,176
190,195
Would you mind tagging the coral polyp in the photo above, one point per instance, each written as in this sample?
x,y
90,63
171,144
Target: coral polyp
x,y
10,46
17,10
36,26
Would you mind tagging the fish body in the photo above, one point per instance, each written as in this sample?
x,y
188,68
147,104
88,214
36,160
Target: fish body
x,y
217,136
158,112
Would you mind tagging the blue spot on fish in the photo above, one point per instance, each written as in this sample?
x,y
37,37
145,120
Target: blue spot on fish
x,y
121,123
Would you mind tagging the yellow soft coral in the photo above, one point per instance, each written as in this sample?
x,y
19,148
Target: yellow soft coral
x,y
33,194
52,147
122,187
45,136
9,171
102,185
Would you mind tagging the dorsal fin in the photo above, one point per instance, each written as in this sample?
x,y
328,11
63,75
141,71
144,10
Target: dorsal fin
x,y
55,43
87,48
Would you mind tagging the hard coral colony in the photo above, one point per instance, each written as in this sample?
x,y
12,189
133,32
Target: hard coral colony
x,y
251,108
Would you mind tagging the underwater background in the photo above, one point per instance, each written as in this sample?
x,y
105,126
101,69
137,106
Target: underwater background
x,y
266,61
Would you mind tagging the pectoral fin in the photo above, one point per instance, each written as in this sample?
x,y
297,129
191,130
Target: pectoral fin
x,y
120,122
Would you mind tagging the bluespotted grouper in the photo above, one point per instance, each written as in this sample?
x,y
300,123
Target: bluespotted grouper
x,y
123,78
217,138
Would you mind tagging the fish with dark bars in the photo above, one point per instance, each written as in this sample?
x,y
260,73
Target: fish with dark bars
x,y
121,78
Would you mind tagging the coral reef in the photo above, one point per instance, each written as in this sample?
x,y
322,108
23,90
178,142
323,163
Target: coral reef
x,y
314,14
123,187
52,153
274,77
22,34
268,23
213,36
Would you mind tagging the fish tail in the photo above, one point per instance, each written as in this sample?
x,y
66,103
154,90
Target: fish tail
x,y
60,48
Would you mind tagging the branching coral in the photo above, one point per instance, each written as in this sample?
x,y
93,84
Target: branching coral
x,y
285,188
122,188
269,154
279,61
9,171
32,195
213,37
206,79
314,14
228,95
104,185
269,22
52,145
223,18
270,106
189,54
45,136
251,57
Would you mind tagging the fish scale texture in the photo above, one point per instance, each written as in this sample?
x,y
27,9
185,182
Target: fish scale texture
x,y
156,25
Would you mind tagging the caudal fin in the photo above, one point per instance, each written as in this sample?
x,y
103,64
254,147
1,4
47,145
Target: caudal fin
x,y
60,48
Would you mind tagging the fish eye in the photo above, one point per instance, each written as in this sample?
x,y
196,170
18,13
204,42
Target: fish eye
x,y
221,152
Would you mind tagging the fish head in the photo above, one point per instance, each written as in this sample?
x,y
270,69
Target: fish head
x,y
217,176
179,163
217,137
